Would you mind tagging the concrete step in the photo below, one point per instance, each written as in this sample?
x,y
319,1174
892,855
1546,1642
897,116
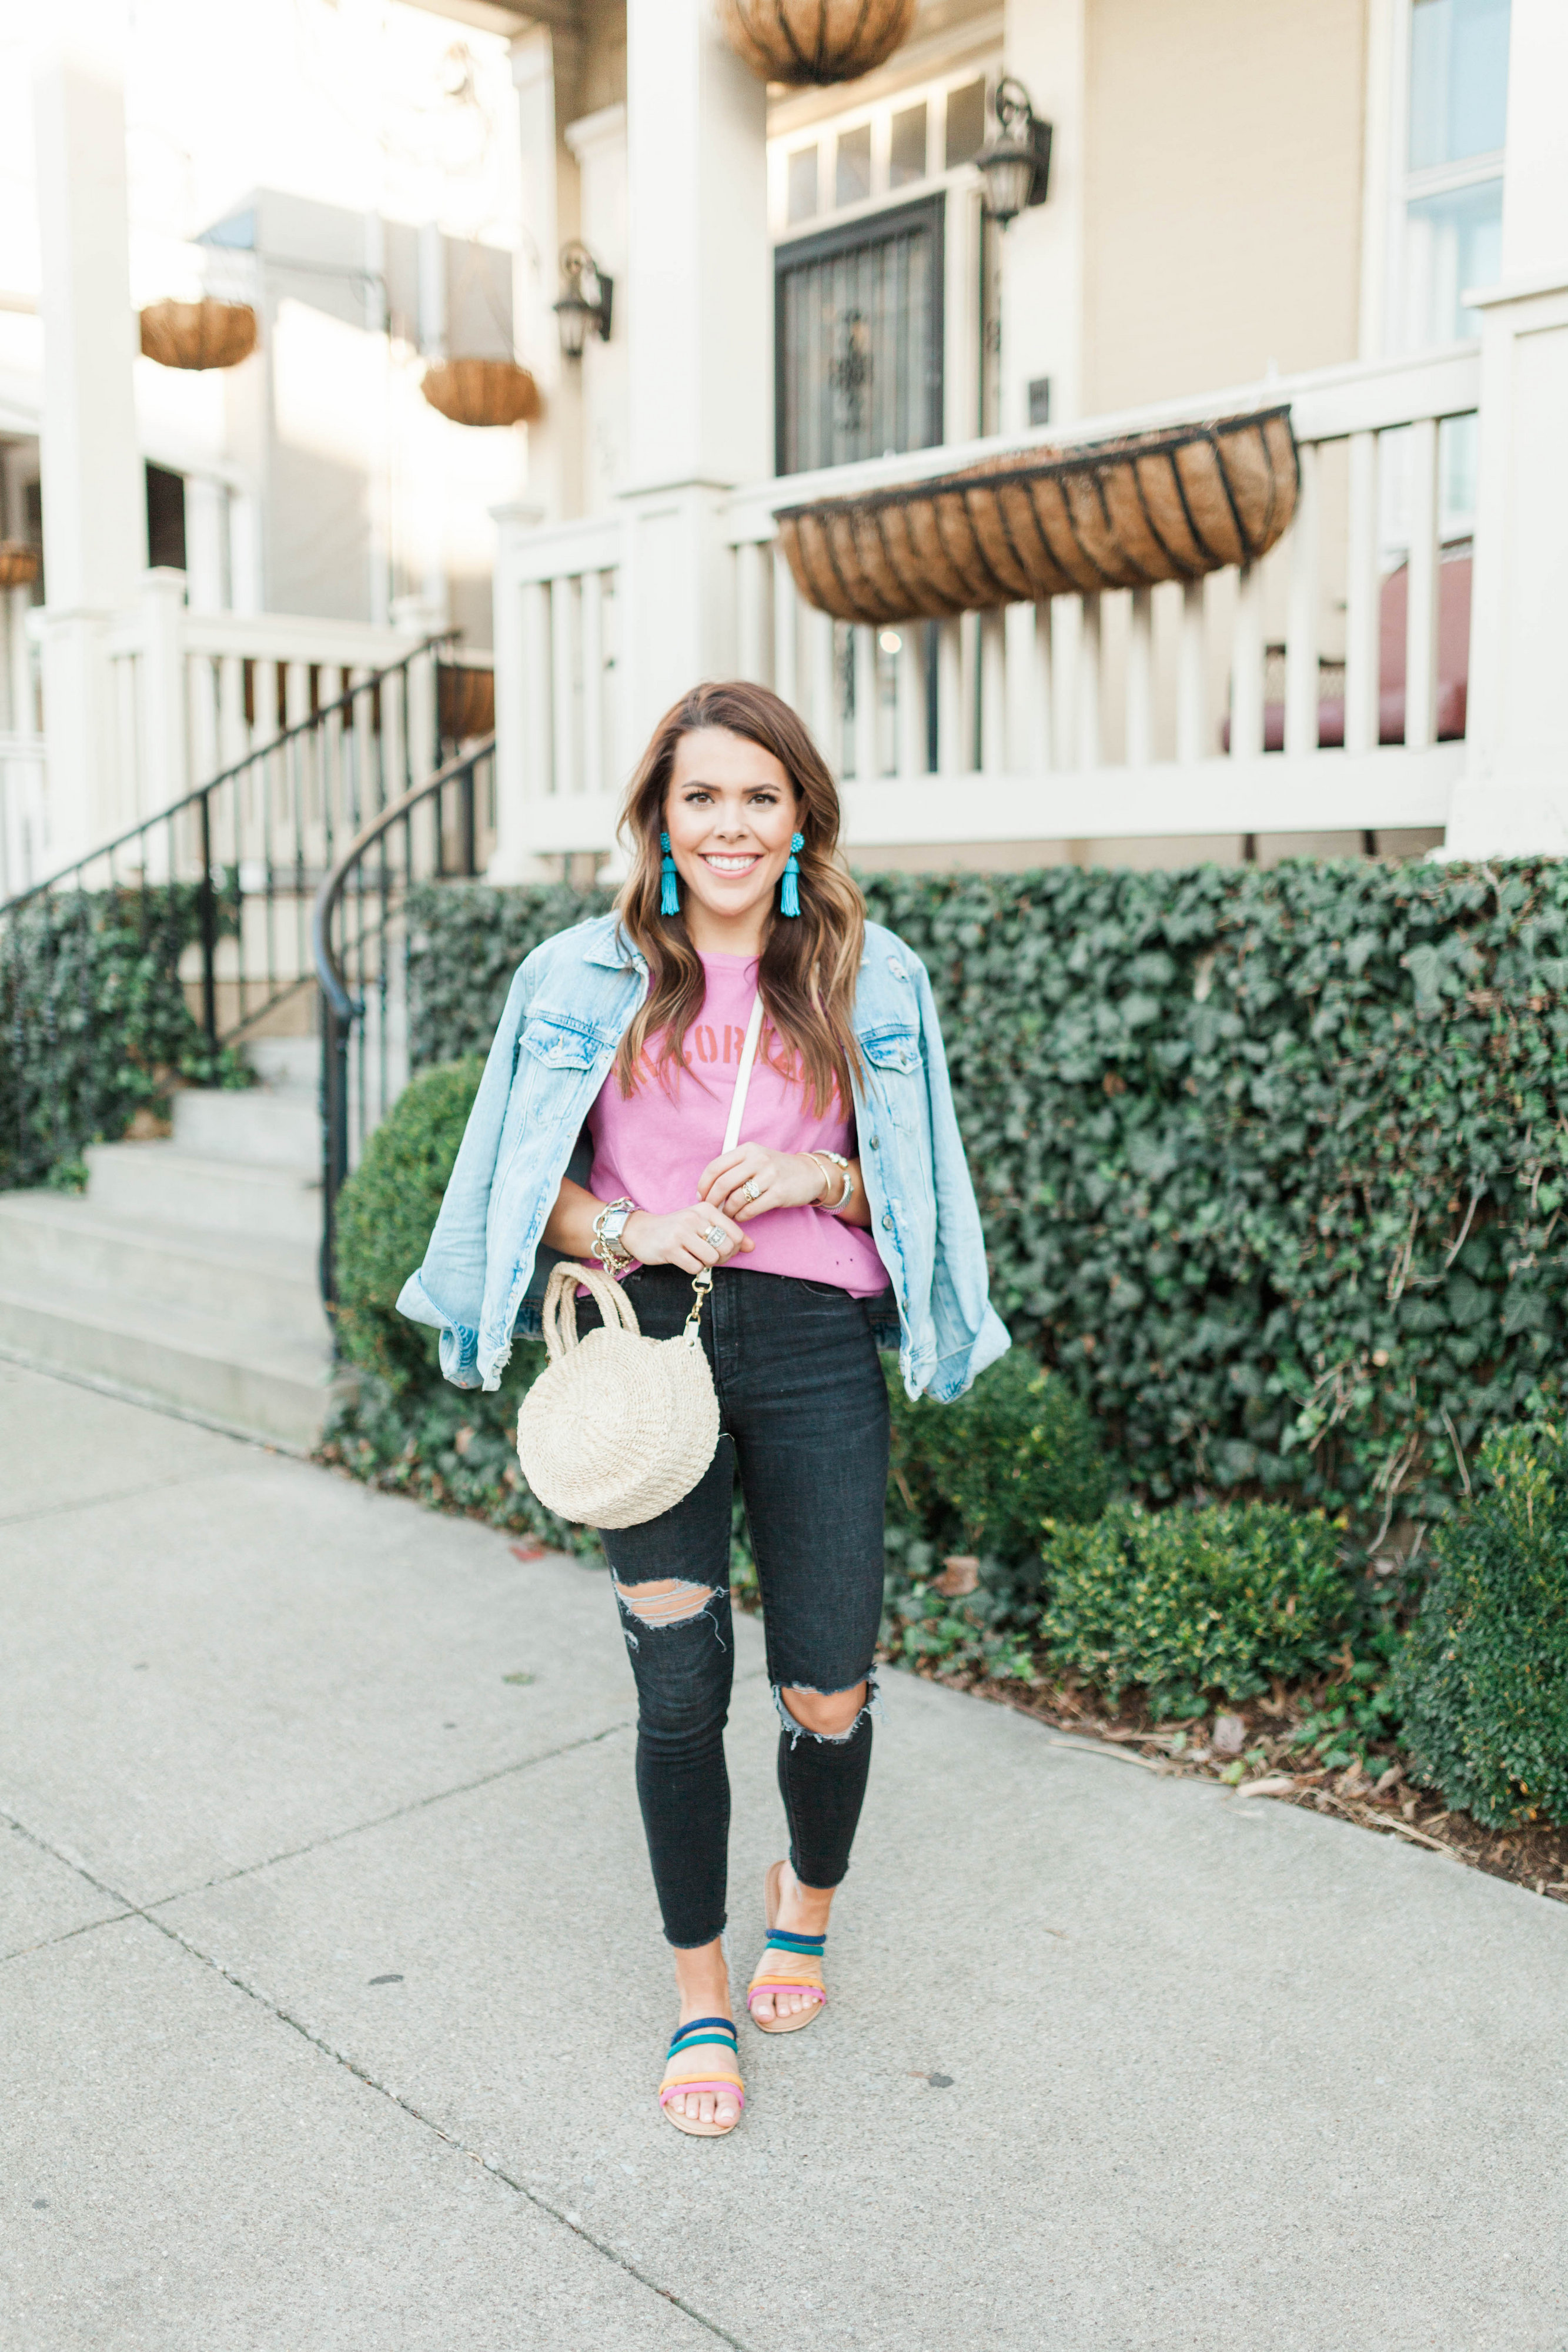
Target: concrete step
x,y
164,1185
272,1128
258,1385
293,1062
47,1239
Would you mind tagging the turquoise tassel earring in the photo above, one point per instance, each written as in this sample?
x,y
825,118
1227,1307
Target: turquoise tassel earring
x,y
669,888
790,892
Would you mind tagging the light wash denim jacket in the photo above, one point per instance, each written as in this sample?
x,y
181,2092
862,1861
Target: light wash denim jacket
x,y
566,1012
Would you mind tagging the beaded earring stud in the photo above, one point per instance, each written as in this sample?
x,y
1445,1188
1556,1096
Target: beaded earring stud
x,y
669,887
790,889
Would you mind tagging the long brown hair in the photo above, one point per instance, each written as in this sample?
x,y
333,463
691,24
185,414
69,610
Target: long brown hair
x,y
809,962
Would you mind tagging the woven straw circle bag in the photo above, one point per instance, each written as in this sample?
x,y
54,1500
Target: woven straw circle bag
x,y
618,1428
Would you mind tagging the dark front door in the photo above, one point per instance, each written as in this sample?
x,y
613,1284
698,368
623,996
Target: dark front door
x,y
858,339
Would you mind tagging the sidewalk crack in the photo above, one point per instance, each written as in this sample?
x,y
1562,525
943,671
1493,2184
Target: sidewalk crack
x,y
362,2075
398,1813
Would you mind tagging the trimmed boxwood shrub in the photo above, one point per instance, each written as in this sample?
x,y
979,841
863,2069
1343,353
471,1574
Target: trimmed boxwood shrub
x,y
1271,1162
979,1475
1196,1605
385,1213
1482,1681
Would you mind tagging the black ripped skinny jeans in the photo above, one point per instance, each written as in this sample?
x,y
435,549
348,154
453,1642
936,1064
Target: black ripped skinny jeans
x,y
803,1409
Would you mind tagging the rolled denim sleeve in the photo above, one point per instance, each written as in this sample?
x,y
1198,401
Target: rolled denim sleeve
x,y
447,1290
969,1332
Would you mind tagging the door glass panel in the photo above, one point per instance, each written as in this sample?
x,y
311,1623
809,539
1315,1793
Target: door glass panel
x,y
1451,242
858,340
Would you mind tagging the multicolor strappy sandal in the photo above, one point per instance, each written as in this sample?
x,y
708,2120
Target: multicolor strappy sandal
x,y
688,2039
789,1963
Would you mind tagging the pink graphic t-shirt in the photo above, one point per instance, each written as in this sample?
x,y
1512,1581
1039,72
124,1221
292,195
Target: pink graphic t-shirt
x,y
652,1145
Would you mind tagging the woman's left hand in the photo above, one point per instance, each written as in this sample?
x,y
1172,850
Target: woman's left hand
x,y
784,1179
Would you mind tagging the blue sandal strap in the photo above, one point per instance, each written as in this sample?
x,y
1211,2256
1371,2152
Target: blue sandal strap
x,y
704,2029
789,1943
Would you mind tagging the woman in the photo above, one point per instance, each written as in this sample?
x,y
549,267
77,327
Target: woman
x,y
843,1217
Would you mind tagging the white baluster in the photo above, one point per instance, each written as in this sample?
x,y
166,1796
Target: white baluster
x,y
786,619
868,766
1018,638
1141,680
201,689
1191,677
822,711
1361,616
1041,738
1066,614
914,752
234,739
1247,666
1421,615
563,682
993,694
537,674
950,759
594,775
1301,614
1087,697
750,636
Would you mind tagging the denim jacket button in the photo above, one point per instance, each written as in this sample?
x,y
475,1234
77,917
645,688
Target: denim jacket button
x,y
873,1143
887,1221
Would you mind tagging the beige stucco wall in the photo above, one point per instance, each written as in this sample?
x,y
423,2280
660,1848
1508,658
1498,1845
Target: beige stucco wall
x,y
1222,191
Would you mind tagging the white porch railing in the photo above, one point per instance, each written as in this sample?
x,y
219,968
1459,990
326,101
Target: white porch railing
x,y
193,694
1134,712
23,828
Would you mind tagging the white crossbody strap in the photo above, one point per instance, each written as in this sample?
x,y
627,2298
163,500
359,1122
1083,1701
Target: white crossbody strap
x,y
743,1077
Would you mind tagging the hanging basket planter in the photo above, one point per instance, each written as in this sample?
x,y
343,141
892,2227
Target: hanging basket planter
x,y
465,701
207,334
482,391
1153,506
20,563
814,40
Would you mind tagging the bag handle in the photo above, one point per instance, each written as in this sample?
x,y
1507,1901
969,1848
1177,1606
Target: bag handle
x,y
559,1313
743,1076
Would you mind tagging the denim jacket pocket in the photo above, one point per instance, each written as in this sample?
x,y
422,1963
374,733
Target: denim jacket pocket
x,y
559,1043
896,1068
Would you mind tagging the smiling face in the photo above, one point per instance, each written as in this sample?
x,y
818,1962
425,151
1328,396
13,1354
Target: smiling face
x,y
730,811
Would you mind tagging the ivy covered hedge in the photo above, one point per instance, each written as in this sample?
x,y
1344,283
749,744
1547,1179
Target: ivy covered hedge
x,y
1273,1165
94,1023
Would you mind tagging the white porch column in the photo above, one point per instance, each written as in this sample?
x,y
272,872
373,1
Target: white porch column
x,y
1514,797
699,305
542,61
94,500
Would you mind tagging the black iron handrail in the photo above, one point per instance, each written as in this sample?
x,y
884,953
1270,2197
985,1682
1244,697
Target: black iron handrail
x,y
212,893
371,943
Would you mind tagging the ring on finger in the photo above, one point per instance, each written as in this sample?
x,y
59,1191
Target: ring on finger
x,y
754,1189
713,1237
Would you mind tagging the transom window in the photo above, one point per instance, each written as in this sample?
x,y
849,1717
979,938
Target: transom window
x,y
876,152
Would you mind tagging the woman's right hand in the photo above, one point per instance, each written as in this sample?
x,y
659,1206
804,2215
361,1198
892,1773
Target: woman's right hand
x,y
681,1238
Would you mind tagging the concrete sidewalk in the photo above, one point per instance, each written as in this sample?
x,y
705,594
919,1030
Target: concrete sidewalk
x,y
334,1996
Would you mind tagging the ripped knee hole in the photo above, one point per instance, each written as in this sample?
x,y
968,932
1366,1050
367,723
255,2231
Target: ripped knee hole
x,y
668,1601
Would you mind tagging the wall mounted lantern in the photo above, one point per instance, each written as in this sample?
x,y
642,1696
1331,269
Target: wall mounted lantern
x,y
1016,165
586,295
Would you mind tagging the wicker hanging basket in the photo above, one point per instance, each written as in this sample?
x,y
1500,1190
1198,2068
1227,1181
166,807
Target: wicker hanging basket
x,y
814,40
482,391
465,701
19,563
207,334
1153,506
